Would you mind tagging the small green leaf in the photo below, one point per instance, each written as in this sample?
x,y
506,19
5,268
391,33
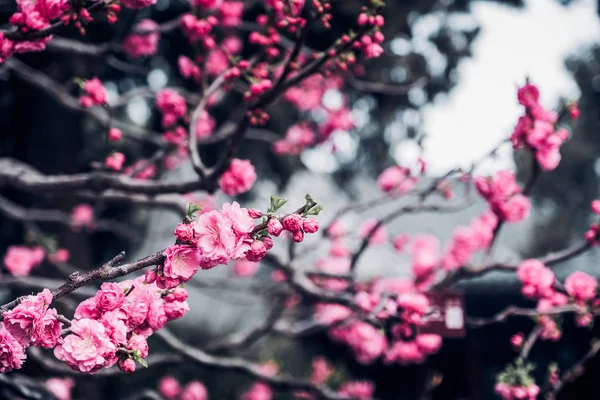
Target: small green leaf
x,y
276,203
192,208
143,362
315,210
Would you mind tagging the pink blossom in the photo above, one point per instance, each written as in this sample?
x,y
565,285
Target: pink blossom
x,y
581,286
321,370
239,218
87,309
59,256
528,95
429,343
12,353
87,348
595,205
184,233
82,216
537,279
52,9
357,390
378,237
182,262
142,44
425,255
205,125
137,4
245,268
373,50
239,178
109,297
292,223
172,105
176,309
336,229
216,239
404,353
297,138
194,391
206,4
400,241
188,69
20,260
274,227
138,344
94,93
366,341
414,305
61,388
310,225
21,321
115,161
216,62
258,391
127,365
114,134
169,387
329,313
231,12
339,249
47,330
517,340
336,120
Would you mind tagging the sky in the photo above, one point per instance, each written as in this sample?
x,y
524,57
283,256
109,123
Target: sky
x,y
513,44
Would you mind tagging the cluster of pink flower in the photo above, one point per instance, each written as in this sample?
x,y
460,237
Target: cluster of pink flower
x,y
239,177
144,39
61,387
536,129
297,138
403,305
20,260
145,170
29,323
32,16
82,216
539,284
508,392
112,327
287,13
172,105
504,196
397,180
217,237
469,239
115,161
93,94
259,390
294,224
170,389
224,13
593,233
188,68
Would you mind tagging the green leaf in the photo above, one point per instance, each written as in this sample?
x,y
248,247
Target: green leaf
x,y
276,203
143,362
192,208
315,210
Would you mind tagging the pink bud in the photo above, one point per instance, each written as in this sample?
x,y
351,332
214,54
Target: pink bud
x,y
254,213
257,251
363,19
274,227
114,134
298,236
150,276
181,294
127,365
268,242
169,387
596,206
517,340
310,225
169,298
292,223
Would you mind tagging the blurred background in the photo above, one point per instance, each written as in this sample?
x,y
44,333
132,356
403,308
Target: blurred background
x,y
447,88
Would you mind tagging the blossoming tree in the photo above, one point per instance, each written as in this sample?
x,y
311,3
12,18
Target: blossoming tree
x,y
129,303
